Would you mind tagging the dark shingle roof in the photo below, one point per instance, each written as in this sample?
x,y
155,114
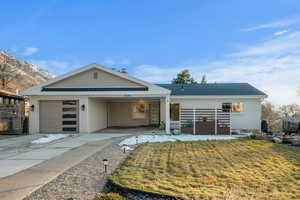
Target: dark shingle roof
x,y
212,89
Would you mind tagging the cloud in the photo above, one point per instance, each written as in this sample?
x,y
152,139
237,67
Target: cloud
x,y
276,24
272,66
28,51
54,66
281,32
115,62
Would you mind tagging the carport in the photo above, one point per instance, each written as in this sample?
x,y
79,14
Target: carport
x,y
123,113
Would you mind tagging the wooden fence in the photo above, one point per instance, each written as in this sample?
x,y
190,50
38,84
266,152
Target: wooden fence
x,y
11,118
205,121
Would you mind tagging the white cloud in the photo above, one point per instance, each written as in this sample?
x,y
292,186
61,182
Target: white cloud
x,y
281,32
116,62
276,24
272,66
28,51
54,66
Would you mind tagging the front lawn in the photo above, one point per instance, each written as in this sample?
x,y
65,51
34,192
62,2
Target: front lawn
x,y
228,169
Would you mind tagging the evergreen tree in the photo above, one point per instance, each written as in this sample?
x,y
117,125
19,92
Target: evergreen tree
x,y
203,81
184,77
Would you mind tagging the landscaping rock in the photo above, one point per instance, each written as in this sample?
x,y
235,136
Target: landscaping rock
x,y
84,180
277,140
296,141
290,139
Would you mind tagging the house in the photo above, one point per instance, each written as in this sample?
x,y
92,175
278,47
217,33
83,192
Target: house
x,y
94,97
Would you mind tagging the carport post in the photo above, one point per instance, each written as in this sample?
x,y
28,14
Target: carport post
x,y
194,121
167,114
216,121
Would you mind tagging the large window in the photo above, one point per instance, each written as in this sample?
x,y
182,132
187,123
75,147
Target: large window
x,y
235,107
139,110
174,112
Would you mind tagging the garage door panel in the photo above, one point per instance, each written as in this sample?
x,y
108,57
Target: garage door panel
x,y
59,116
50,116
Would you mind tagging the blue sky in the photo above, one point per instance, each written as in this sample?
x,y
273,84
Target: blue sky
x,y
230,41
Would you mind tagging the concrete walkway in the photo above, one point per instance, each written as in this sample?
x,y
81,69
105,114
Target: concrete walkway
x,y
38,166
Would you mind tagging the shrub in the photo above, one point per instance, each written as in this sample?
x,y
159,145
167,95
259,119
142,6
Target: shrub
x,y
108,196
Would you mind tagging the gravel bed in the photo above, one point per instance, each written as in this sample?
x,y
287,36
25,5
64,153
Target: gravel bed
x,y
84,180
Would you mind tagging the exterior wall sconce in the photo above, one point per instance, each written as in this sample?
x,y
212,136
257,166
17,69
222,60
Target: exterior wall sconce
x,y
32,108
82,107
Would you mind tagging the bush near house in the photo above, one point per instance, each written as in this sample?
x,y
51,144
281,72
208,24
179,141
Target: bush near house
x,y
107,196
229,169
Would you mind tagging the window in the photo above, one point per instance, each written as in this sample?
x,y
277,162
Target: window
x,y
68,109
226,107
69,129
139,110
235,107
95,75
69,115
69,102
69,122
174,112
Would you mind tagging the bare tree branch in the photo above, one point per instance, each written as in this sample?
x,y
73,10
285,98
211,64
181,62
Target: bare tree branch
x,y
8,72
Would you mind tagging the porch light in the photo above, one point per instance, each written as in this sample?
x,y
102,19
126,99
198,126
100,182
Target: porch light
x,y
82,107
32,108
105,163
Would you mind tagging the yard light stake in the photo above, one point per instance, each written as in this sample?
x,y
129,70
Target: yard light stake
x,y
136,139
105,163
124,148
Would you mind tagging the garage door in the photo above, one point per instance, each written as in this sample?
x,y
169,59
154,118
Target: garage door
x,y
58,116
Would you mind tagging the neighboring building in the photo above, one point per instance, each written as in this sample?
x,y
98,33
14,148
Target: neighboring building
x,y
93,98
12,113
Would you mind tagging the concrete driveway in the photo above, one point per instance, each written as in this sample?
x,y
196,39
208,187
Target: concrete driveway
x,y
25,167
17,154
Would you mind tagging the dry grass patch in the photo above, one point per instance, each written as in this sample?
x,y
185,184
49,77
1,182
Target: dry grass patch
x,y
232,169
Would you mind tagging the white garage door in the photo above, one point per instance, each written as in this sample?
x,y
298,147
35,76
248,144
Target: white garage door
x,y
58,116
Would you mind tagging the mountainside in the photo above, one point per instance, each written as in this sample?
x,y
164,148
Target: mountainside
x,y
29,75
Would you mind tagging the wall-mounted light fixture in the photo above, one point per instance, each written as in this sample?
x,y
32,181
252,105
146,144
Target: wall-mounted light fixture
x,y
82,107
32,108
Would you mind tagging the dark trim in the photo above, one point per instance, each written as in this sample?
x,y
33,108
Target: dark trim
x,y
91,89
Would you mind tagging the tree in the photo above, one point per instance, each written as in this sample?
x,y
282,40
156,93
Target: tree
x,y
184,77
290,110
272,116
7,71
203,80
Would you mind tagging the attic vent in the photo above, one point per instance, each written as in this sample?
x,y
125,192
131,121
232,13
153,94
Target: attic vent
x,y
95,75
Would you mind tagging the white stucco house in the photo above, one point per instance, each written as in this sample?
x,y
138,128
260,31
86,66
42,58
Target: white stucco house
x,y
94,97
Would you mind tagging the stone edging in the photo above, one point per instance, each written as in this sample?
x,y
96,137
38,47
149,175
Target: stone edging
x,y
114,187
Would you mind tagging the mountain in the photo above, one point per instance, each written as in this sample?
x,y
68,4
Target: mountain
x,y
29,75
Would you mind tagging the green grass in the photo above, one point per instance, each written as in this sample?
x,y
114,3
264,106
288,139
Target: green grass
x,y
232,169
